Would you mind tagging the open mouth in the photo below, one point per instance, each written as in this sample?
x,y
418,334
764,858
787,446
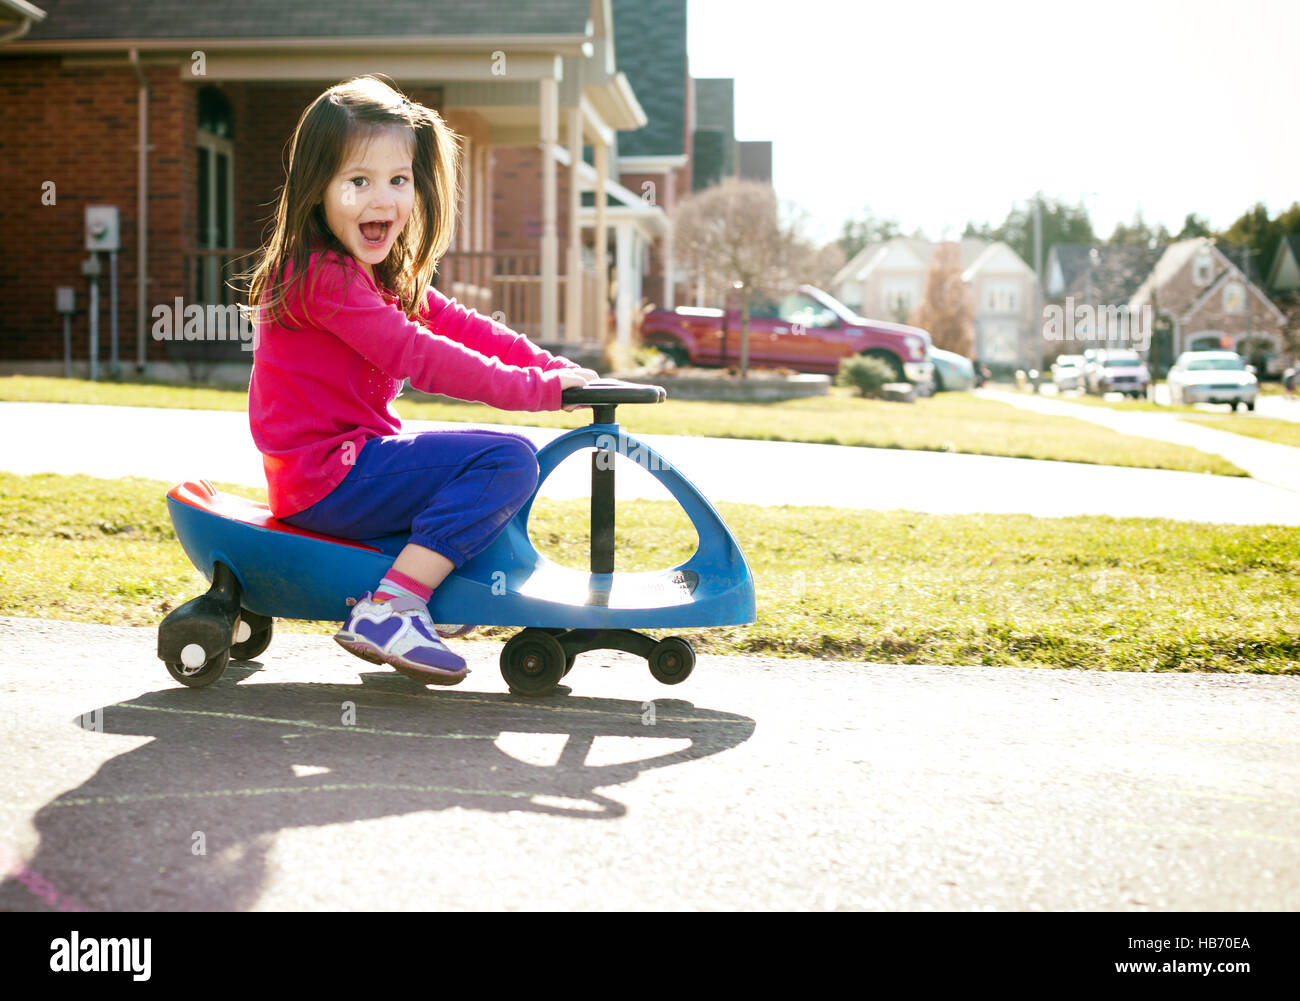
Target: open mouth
x,y
375,233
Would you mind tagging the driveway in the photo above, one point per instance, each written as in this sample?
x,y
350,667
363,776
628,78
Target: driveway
x,y
175,445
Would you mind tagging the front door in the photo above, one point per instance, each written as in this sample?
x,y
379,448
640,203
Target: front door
x,y
216,219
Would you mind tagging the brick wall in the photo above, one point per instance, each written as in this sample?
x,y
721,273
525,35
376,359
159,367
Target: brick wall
x,y
516,183
78,128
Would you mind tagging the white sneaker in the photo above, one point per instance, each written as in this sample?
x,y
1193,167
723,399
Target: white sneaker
x,y
399,632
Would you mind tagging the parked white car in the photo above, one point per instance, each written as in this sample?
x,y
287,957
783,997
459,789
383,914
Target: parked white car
x,y
1212,377
1117,372
1067,372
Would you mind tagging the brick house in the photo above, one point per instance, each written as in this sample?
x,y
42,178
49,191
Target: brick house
x,y
216,90
1081,274
1211,305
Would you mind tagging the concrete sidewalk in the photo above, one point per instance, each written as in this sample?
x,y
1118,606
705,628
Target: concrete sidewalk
x,y
1266,461
176,445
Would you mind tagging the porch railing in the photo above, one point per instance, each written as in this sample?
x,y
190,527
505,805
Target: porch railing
x,y
507,284
209,275
212,278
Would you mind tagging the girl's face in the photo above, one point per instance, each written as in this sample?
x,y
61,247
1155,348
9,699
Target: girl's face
x,y
369,200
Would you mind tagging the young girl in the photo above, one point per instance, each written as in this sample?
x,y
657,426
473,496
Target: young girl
x,y
345,312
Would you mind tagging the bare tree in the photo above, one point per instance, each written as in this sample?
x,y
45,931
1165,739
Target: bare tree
x,y
738,235
945,309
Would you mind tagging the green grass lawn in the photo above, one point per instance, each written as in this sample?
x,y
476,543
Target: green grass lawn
x,y
950,422
1267,428
1086,592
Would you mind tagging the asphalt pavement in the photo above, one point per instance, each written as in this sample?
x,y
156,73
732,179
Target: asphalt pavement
x,y
314,781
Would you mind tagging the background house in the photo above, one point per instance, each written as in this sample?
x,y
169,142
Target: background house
x,y
216,91
1210,304
1079,274
886,281
687,143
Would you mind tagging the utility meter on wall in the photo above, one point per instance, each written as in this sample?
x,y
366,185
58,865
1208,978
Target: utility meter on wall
x,y
102,231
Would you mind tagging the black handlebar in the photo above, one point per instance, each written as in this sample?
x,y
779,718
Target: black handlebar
x,y
613,391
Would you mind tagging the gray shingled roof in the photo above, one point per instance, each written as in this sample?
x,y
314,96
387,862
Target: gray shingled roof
x,y
650,46
1111,276
715,110
707,158
108,19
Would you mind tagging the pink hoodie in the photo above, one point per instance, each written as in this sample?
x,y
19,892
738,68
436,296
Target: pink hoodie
x,y
321,391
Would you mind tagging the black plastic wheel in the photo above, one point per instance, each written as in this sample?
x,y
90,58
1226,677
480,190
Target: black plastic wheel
x,y
674,352
532,662
211,670
569,658
257,641
672,660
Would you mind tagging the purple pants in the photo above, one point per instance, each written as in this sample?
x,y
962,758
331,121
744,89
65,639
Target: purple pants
x,y
454,491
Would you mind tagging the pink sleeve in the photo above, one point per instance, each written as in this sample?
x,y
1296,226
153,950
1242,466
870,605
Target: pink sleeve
x,y
486,336
346,303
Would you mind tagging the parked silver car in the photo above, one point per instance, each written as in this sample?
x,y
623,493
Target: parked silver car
x,y
1067,372
1117,372
1212,377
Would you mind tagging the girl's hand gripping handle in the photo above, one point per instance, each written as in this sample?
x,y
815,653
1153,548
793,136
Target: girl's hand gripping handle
x,y
575,377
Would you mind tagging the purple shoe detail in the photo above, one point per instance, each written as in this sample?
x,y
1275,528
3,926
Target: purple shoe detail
x,y
399,632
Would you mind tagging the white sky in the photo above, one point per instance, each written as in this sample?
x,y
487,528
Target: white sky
x,y
939,113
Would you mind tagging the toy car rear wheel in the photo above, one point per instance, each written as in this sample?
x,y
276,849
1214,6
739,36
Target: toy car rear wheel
x,y
202,676
672,660
259,628
532,662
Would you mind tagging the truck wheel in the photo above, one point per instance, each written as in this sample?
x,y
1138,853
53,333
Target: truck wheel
x,y
674,352
891,360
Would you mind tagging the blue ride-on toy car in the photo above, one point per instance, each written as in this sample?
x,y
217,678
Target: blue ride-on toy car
x,y
261,568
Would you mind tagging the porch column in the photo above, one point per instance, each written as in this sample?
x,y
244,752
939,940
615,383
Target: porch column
x,y
549,119
667,298
573,278
480,199
625,268
465,231
602,243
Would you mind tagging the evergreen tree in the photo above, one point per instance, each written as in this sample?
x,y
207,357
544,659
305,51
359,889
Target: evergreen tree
x,y
857,233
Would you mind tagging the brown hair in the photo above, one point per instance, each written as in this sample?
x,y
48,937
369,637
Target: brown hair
x,y
346,113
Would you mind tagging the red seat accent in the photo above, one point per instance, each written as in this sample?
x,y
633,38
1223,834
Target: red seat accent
x,y
202,496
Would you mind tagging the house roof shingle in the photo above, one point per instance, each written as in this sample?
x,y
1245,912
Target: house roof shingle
x,y
1104,274
232,19
650,46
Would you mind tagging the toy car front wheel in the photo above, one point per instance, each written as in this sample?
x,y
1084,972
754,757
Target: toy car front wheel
x,y
202,673
672,660
532,662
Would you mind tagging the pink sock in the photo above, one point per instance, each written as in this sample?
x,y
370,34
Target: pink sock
x,y
396,583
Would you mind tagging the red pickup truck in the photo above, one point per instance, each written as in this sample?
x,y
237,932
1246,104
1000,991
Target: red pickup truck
x,y
808,330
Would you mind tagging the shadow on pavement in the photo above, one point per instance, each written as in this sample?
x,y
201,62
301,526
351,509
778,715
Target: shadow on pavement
x,y
229,766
